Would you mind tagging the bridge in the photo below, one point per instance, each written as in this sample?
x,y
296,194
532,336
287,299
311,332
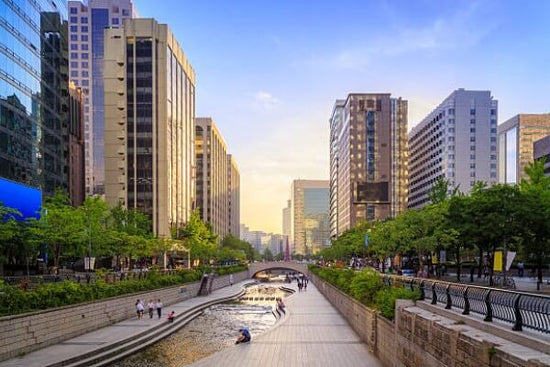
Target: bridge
x,y
257,267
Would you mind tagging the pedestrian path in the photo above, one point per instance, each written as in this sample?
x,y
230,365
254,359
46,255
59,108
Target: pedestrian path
x,y
73,349
312,334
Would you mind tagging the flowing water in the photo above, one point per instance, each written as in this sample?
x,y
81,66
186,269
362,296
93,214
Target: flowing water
x,y
215,329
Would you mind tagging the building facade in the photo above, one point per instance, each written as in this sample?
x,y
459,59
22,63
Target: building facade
x,y
515,144
286,219
149,123
34,94
368,159
456,142
75,131
87,23
234,206
213,173
310,216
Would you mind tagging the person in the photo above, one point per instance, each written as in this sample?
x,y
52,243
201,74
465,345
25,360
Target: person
x,y
158,306
304,285
171,316
281,305
521,268
139,309
244,337
151,307
231,279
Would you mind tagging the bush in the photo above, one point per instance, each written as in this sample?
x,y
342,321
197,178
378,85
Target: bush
x,y
385,300
365,286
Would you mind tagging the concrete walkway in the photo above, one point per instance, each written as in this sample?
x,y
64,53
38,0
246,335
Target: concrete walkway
x,y
312,334
87,343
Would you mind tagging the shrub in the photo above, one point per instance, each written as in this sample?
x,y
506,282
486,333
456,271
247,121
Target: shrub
x,y
365,286
385,300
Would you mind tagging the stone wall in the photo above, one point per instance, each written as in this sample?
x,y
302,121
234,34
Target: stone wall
x,y
27,332
422,338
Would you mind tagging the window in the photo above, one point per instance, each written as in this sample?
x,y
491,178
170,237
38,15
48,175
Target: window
x,y
472,139
473,121
451,121
451,165
84,65
74,55
472,174
84,82
74,37
493,157
84,28
472,165
74,10
75,82
451,147
74,46
84,73
493,122
115,21
74,64
451,156
451,111
493,174
74,73
74,19
125,12
74,29
493,112
472,129
472,147
451,129
84,20
84,47
472,156
84,38
85,55
472,183
493,148
493,165
493,130
370,212
493,139
451,138
472,111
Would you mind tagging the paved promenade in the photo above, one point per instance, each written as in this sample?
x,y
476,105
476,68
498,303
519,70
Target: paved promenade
x,y
102,337
312,334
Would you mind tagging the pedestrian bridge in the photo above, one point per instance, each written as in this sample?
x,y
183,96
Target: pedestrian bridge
x,y
257,267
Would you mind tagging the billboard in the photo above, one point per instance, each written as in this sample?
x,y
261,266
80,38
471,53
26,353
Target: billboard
x,y
26,199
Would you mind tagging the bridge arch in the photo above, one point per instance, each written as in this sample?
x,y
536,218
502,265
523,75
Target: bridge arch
x,y
257,267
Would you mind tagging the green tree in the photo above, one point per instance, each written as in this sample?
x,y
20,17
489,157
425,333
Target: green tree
x,y
237,244
267,255
95,213
198,237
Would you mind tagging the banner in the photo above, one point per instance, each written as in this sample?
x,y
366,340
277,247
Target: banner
x,y
443,256
434,258
367,240
89,263
510,256
497,264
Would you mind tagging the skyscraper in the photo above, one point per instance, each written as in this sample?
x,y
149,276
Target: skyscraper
x,y
75,132
515,144
457,142
368,159
234,196
34,94
310,216
149,123
212,175
87,24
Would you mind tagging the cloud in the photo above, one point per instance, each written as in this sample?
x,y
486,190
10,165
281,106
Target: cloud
x,y
265,100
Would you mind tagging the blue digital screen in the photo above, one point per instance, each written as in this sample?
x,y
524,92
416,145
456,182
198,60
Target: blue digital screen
x,y
27,200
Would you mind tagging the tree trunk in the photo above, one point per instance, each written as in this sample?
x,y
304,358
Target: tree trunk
x,y
480,268
539,273
458,264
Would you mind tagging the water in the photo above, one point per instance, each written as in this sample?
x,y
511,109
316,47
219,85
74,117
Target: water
x,y
215,329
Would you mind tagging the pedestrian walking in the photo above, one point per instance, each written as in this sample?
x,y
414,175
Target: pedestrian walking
x,y
139,309
151,308
231,279
299,286
521,268
158,306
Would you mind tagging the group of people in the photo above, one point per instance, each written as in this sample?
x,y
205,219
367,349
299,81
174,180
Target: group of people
x,y
151,306
302,283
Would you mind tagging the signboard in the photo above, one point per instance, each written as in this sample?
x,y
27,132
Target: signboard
x,y
89,263
497,265
25,199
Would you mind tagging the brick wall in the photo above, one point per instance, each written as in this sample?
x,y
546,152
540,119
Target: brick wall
x,y
422,338
28,332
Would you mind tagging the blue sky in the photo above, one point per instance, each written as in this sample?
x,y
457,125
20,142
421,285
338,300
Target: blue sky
x,y
268,72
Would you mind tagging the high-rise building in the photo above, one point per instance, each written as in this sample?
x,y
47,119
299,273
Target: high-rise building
x,y
515,144
368,159
149,123
75,131
457,142
87,23
34,94
234,177
286,219
213,192
541,150
310,216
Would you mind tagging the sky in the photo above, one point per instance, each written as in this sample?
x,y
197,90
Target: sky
x,y
268,72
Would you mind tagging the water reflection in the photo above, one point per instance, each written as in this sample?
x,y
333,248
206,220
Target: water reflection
x,y
216,329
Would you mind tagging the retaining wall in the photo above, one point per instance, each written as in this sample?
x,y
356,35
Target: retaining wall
x,y
31,331
419,337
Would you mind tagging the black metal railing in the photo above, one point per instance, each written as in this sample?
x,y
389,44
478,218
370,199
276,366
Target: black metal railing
x,y
520,309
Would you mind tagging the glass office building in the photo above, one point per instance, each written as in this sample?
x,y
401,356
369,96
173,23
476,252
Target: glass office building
x,y
34,93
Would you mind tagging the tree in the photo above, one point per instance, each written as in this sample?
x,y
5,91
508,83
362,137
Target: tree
x,y
9,230
60,227
198,238
350,243
267,255
237,244
95,213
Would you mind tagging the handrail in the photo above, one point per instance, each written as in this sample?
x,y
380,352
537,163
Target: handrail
x,y
521,309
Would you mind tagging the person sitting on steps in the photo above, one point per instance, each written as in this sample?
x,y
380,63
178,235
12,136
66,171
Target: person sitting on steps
x,y
244,337
171,316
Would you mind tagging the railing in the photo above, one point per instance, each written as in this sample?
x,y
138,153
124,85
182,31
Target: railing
x,y
520,309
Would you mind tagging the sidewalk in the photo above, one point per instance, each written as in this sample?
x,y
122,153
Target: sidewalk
x,y
313,333
112,335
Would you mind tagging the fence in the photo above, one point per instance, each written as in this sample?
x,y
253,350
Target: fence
x,y
517,308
